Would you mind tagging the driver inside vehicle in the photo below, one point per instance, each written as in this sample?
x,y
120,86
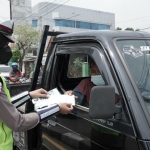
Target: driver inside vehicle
x,y
83,89
98,133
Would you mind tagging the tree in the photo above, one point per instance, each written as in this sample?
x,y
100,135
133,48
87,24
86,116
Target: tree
x,y
15,56
75,68
137,30
25,36
131,29
118,28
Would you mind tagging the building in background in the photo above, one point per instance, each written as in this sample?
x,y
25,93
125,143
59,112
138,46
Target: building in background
x,y
60,17
69,19
20,11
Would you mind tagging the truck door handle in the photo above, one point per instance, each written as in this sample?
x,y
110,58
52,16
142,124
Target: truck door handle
x,y
52,122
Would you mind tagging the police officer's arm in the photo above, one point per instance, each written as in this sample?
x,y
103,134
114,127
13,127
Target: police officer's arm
x,y
20,99
16,121
23,97
43,113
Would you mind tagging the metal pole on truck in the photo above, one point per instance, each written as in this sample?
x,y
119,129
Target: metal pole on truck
x,y
10,9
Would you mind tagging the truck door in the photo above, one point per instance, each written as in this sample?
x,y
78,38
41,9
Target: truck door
x,y
71,65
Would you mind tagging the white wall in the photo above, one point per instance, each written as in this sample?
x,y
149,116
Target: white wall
x,y
52,11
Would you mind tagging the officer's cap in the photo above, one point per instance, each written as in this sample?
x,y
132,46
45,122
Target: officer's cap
x,y
6,28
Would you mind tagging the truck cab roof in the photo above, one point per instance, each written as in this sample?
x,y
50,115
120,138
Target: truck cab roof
x,y
101,35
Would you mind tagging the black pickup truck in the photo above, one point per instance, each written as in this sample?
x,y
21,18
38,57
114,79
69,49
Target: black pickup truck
x,y
123,58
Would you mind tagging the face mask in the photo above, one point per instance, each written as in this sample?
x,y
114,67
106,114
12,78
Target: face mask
x,y
97,80
5,55
3,41
15,68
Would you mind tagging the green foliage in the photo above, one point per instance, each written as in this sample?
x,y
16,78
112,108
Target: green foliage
x,y
118,28
137,30
25,36
131,29
78,62
15,55
75,68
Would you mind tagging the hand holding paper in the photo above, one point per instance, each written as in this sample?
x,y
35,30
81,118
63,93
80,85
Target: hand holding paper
x,y
65,108
55,99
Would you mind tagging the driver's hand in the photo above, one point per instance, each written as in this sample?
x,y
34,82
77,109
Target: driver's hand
x,y
65,108
70,93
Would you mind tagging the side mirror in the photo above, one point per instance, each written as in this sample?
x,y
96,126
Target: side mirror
x,y
102,102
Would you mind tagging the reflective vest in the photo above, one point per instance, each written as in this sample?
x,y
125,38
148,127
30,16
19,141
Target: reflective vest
x,y
6,139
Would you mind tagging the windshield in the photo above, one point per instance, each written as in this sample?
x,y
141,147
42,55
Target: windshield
x,y
136,53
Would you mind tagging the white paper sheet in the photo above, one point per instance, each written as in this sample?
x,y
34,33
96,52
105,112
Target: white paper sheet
x,y
54,92
54,99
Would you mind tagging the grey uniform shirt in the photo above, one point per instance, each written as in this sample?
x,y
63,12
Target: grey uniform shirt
x,y
11,117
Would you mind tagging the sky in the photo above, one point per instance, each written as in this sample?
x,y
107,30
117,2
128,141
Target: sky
x,y
128,13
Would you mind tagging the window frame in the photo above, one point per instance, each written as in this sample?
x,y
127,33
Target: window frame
x,y
80,111
34,23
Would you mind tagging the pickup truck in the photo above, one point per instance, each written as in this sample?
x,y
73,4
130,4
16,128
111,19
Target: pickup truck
x,y
123,58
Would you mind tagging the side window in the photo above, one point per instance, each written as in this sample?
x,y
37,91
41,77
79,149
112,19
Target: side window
x,y
83,66
80,72
78,66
